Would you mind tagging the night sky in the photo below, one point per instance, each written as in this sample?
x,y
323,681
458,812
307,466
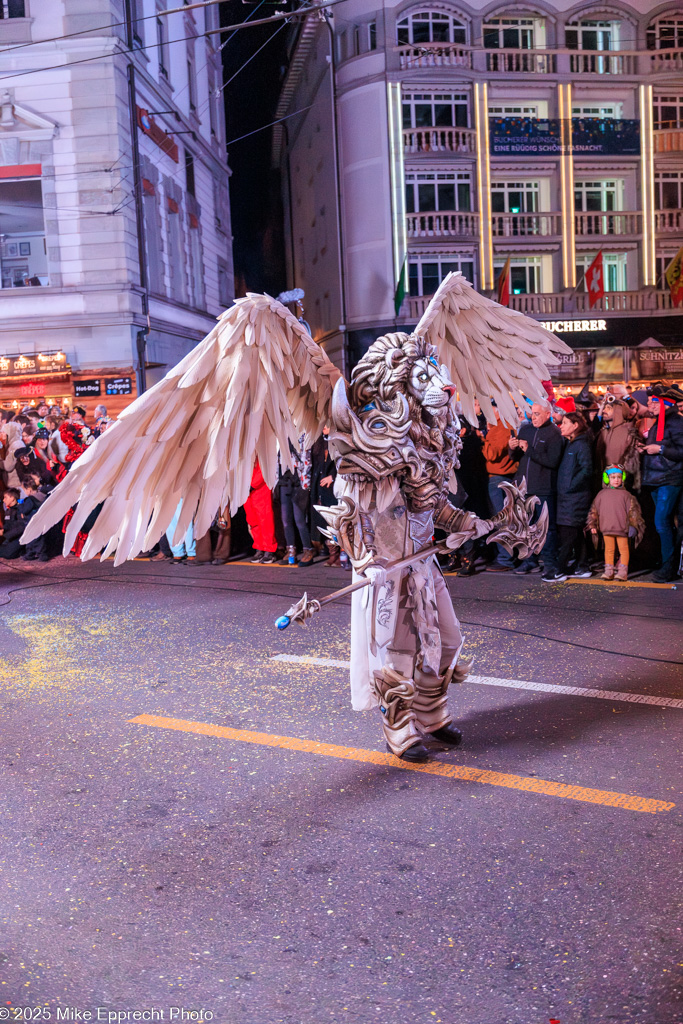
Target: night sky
x,y
250,102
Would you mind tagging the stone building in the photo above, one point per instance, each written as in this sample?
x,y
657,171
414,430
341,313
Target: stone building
x,y
115,242
467,133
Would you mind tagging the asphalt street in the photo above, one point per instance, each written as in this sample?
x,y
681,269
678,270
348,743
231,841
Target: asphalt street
x,y
195,822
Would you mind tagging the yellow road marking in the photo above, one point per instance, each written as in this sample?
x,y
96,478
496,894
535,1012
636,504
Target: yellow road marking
x,y
450,771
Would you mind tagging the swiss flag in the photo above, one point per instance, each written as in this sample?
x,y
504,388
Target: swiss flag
x,y
595,280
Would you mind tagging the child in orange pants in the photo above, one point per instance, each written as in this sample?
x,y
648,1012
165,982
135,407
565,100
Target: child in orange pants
x,y
616,514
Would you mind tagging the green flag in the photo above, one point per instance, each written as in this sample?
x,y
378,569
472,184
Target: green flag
x,y
400,293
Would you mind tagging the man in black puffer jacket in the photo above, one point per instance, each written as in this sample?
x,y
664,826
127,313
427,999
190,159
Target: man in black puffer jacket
x,y
662,472
538,448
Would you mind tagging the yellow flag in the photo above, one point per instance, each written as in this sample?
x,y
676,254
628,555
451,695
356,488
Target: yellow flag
x,y
674,278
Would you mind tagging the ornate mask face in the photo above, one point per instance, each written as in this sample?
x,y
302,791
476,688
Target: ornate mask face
x,y
429,384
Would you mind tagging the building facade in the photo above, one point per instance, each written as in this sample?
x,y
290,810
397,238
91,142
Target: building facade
x,y
470,133
115,242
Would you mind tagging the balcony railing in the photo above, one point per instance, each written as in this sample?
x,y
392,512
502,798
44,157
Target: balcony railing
x,y
602,62
666,60
435,55
443,225
668,140
607,223
514,225
669,221
553,303
536,62
439,140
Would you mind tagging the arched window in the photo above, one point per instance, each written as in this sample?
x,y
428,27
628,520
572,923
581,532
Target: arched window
x,y
666,32
430,27
512,31
594,34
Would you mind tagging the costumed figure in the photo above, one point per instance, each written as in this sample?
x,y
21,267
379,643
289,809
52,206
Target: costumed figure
x,y
259,381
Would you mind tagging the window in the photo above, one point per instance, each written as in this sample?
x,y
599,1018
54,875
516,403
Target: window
x,y
510,33
431,27
152,218
525,274
191,84
669,190
662,261
599,196
606,110
162,46
668,111
23,252
12,9
593,35
134,26
442,191
372,35
614,270
426,272
224,296
189,172
514,196
435,110
666,34
196,257
213,102
614,265
176,245
515,110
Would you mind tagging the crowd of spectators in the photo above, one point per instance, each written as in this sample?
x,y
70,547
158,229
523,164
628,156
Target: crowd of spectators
x,y
609,469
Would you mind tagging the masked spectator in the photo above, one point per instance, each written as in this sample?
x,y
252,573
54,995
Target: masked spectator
x,y
538,449
617,442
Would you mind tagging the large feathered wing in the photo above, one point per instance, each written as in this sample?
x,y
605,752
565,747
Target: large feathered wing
x,y
490,351
258,380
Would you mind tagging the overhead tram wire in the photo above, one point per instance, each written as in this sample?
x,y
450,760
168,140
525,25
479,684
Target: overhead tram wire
x,y
152,46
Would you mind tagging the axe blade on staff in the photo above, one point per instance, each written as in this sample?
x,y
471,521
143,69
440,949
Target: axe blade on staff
x,y
511,527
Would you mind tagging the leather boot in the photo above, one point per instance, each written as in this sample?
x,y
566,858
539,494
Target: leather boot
x,y
307,557
622,572
608,574
395,694
333,555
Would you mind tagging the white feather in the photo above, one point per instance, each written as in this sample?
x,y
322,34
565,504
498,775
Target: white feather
x,y
489,351
256,381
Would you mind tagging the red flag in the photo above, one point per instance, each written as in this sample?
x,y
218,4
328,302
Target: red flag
x,y
595,280
504,284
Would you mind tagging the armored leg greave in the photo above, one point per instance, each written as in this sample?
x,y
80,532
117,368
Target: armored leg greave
x,y
431,701
395,694
431,696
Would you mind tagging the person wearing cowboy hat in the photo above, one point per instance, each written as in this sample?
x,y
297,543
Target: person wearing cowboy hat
x,y
662,471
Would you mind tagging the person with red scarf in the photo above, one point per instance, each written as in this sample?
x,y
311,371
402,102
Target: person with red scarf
x,y
259,511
